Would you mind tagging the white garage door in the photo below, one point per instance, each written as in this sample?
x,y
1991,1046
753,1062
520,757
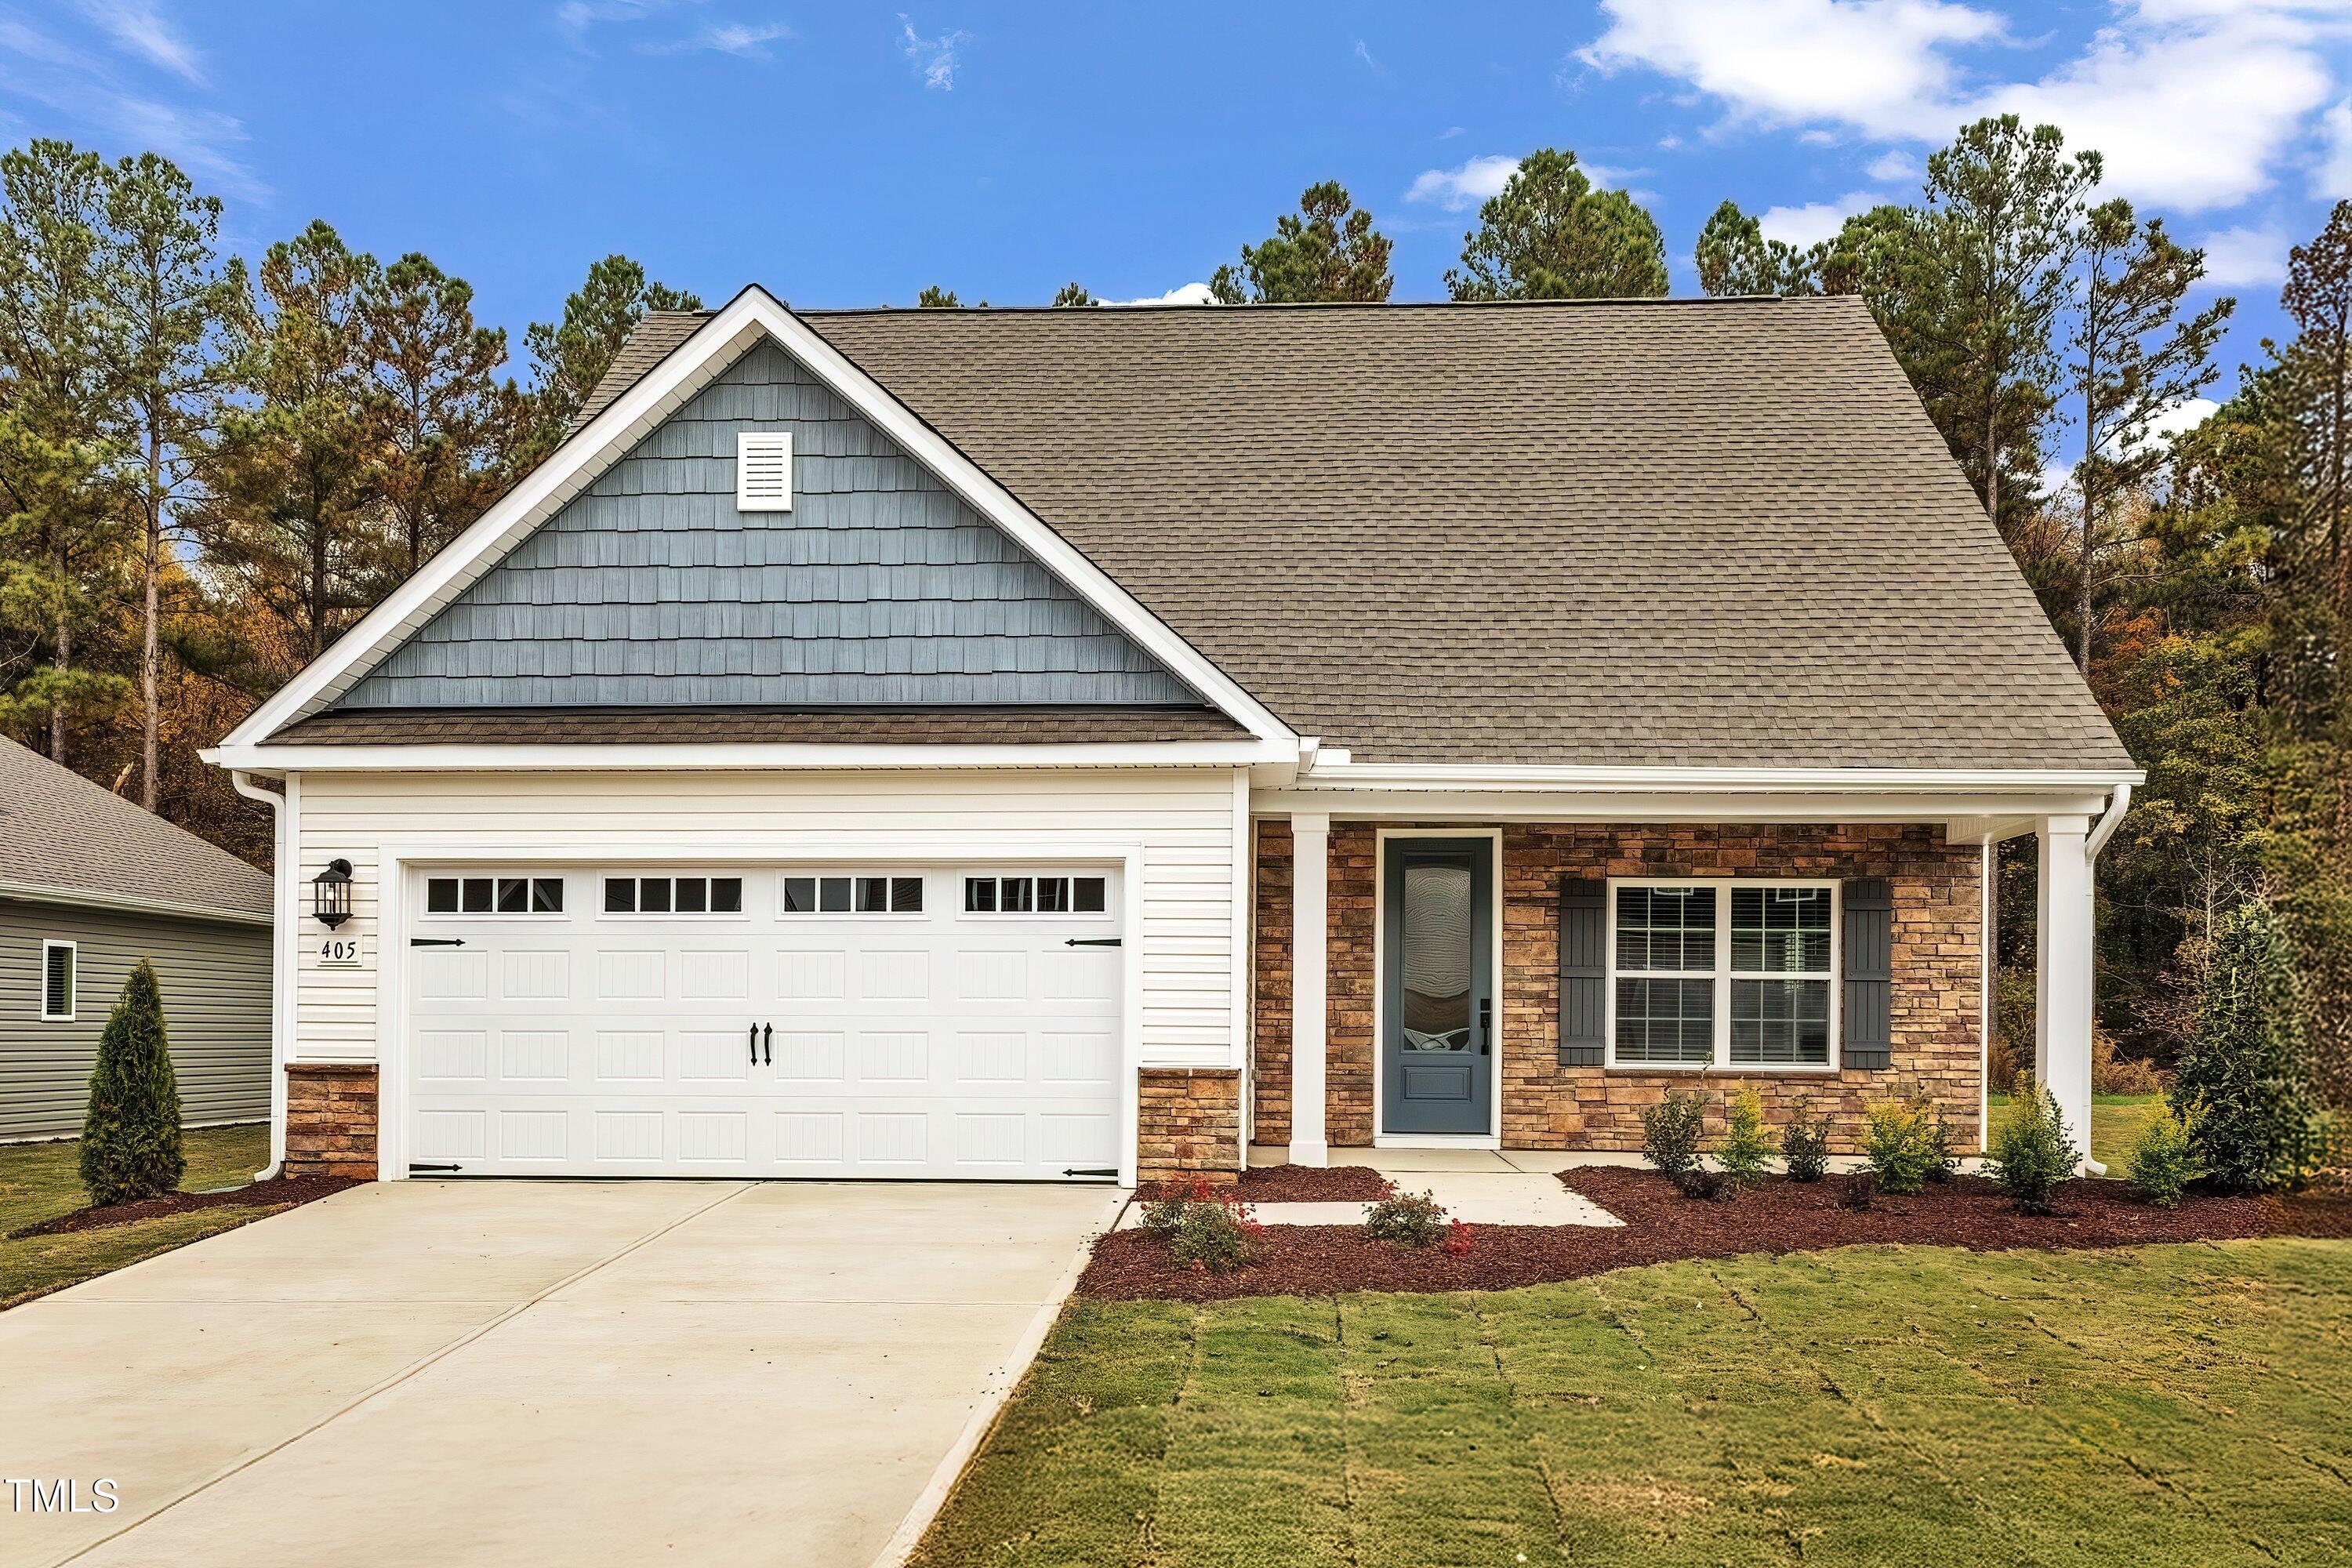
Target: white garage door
x,y
730,1021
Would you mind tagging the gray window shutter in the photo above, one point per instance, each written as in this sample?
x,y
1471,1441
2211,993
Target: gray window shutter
x,y
1583,970
1869,1001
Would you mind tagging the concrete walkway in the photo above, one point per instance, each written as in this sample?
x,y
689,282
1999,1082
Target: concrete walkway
x,y
533,1373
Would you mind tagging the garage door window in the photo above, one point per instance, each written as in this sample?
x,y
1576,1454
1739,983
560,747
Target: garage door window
x,y
673,895
1033,895
494,895
853,895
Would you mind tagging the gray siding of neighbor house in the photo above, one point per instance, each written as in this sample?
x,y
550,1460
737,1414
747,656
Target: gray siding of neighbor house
x,y
880,587
215,978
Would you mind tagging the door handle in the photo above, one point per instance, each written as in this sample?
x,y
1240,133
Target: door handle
x,y
768,1039
1486,1025
755,1045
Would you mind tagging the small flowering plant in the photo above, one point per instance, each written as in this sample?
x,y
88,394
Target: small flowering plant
x,y
1457,1239
1213,1232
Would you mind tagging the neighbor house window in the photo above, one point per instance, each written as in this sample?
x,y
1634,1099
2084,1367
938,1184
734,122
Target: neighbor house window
x,y
1033,895
673,895
853,894
58,962
494,895
1721,973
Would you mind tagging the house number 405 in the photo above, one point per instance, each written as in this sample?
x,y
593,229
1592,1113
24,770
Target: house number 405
x,y
339,952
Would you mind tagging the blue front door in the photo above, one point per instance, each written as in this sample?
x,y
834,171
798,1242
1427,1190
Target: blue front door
x,y
1437,1044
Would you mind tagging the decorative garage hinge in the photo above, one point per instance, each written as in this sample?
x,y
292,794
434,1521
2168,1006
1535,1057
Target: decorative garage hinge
x,y
437,942
1092,941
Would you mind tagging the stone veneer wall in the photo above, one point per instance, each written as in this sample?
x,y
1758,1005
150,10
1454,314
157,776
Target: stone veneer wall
x,y
1937,931
1189,1124
331,1120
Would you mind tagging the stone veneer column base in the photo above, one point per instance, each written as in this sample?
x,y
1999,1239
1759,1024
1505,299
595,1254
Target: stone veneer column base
x,y
331,1120
1188,1122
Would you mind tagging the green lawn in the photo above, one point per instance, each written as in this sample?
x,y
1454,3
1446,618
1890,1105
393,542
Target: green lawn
x,y
39,1180
1866,1407
2115,1121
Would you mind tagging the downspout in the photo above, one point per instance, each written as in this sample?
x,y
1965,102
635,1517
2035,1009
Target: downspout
x,y
281,952
2101,831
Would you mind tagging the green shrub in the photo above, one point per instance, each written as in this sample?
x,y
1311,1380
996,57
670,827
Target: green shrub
x,y
1943,1160
1703,1184
130,1134
2164,1158
2029,1151
1805,1143
1899,1142
1406,1219
1671,1131
1745,1148
2247,1066
1209,1232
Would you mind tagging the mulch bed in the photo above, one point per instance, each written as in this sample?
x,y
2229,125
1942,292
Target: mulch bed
x,y
1661,1225
1297,1185
287,1191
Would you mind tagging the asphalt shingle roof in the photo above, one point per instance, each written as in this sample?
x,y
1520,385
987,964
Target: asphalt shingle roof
x,y
1636,533
61,832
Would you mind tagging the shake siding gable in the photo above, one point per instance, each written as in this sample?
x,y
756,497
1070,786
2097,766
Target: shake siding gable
x,y
879,586
1183,819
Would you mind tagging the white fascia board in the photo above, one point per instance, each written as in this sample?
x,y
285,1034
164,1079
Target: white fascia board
x,y
1474,777
693,364
1529,805
287,759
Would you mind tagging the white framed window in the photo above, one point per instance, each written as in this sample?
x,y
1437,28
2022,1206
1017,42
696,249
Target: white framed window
x,y
839,893
763,471
668,894
1723,972
1054,894
60,967
493,895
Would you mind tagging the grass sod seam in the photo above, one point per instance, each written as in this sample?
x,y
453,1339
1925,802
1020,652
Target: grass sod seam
x,y
1516,1403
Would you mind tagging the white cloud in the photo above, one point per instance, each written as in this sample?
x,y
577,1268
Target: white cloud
x,y
935,59
1472,182
745,40
1814,221
1365,55
1449,133
2332,181
2245,257
1186,294
142,30
2192,101
2181,419
1895,165
83,88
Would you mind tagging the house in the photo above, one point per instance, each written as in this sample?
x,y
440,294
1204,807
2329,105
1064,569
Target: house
x,y
90,884
1083,744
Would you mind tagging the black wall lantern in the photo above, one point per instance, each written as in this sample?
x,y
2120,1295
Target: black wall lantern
x,y
330,894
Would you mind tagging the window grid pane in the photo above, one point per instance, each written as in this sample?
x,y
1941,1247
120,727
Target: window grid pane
x,y
1665,929
441,896
800,895
1780,931
1087,897
547,895
1780,1023
906,895
726,894
1665,1021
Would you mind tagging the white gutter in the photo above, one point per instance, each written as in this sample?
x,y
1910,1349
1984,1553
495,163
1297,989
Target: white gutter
x,y
1444,776
2109,820
660,756
281,957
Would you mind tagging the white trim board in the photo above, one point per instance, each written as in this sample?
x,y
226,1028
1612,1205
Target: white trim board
x,y
616,758
752,315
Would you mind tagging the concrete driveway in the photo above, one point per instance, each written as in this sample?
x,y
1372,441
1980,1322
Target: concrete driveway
x,y
533,1373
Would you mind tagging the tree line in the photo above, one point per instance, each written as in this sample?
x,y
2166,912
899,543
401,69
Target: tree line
x,y
209,472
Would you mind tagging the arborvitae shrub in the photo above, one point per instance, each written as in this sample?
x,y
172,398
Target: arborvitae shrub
x,y
2247,1066
130,1134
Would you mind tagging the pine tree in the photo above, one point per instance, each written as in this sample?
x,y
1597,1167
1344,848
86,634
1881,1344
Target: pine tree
x,y
934,297
130,1134
2134,358
1074,294
440,422
2247,1069
1328,251
571,356
1734,258
1552,234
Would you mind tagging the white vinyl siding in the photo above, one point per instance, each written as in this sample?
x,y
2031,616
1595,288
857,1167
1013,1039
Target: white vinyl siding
x,y
1184,820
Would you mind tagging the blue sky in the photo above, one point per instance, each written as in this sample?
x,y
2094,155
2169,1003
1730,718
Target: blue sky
x,y
845,154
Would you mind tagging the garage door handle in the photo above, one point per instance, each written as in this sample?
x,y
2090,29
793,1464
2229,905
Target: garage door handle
x,y
1092,941
768,1041
755,1045
437,942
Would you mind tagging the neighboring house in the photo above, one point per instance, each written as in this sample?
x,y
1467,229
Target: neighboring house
x,y
90,884
1061,743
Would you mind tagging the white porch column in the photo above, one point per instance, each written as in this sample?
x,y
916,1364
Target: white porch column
x,y
2062,972
1310,868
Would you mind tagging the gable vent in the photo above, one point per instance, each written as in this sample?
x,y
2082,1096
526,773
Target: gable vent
x,y
763,471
